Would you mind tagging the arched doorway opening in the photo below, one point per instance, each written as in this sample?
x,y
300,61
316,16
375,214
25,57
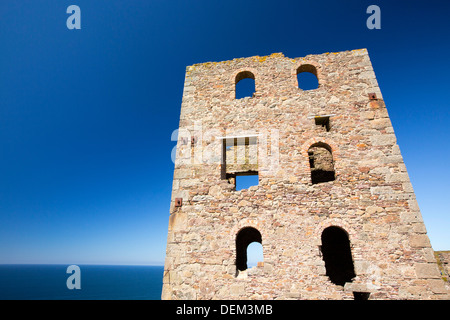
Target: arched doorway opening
x,y
337,255
245,237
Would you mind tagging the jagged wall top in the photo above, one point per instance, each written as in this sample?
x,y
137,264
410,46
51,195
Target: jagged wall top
x,y
276,55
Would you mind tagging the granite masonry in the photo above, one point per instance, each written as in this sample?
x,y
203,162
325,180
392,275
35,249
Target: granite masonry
x,y
334,209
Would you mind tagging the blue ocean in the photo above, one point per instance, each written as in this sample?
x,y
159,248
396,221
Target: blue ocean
x,y
97,282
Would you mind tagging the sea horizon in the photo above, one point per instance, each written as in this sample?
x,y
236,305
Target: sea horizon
x,y
50,281
85,264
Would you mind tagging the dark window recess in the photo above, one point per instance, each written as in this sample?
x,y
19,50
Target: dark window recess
x,y
311,159
321,163
319,176
337,255
324,122
361,295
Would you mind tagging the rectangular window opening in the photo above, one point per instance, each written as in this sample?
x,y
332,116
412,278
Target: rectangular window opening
x,y
245,181
240,161
324,122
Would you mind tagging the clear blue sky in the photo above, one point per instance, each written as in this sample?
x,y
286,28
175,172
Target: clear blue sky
x,y
86,116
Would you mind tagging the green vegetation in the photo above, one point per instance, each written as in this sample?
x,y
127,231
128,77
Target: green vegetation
x,y
440,264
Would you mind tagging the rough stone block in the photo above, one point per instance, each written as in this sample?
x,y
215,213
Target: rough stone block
x,y
237,289
419,241
384,139
427,271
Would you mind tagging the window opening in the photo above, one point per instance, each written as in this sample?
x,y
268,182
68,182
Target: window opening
x,y
361,295
337,255
255,256
246,181
240,161
321,163
307,77
244,238
244,85
324,122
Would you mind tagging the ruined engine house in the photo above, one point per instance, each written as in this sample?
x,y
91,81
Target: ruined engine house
x,y
333,207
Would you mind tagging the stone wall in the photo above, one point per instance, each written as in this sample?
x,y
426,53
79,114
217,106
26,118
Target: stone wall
x,y
370,197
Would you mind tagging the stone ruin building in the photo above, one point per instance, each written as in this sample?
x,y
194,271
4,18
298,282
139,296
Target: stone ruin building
x,y
333,209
